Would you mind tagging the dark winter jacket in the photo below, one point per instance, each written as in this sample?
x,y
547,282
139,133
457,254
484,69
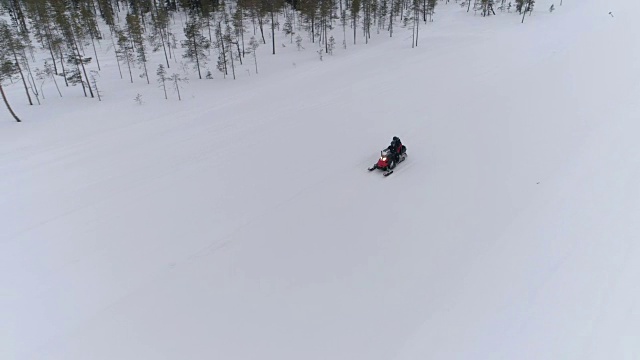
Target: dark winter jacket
x,y
396,146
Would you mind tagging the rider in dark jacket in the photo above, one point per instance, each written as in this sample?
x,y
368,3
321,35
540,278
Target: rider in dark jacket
x,y
396,148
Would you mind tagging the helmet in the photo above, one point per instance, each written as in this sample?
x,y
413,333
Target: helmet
x,y
395,138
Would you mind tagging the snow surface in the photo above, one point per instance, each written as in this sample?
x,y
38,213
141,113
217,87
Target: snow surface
x,y
241,223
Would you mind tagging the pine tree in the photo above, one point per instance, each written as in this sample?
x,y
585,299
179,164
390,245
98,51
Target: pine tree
x,y
75,37
11,44
309,9
487,7
288,27
228,38
355,13
136,36
87,21
383,11
7,71
331,45
367,18
162,79
326,20
239,27
49,71
125,51
431,7
253,46
106,12
299,42
196,44
68,21
413,16
74,76
157,36
176,80
272,8
343,23
93,77
528,7
42,77
41,25
220,45
61,27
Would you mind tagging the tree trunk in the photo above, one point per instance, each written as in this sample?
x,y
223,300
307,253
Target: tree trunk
x,y
83,69
95,52
144,64
233,67
242,38
116,52
424,10
178,90
313,29
355,27
64,72
239,51
255,59
164,87
417,25
48,36
6,102
195,50
224,53
26,89
273,33
164,47
391,20
261,30
56,83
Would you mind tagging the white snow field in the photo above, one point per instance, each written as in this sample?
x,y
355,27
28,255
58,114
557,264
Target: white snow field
x,y
241,223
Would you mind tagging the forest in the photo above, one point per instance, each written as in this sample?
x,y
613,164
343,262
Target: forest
x,y
55,40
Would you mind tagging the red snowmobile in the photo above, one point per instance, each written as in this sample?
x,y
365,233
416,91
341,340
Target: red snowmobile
x,y
388,161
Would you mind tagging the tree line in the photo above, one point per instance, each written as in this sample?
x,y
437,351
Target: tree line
x,y
218,31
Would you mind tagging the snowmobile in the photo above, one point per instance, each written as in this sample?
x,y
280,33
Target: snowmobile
x,y
387,163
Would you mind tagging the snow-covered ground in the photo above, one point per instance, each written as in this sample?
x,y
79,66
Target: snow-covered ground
x,y
241,223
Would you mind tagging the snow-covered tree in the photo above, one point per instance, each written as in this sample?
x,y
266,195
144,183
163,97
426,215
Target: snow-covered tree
x,y
49,71
176,79
93,78
528,7
331,45
487,7
299,42
253,46
162,79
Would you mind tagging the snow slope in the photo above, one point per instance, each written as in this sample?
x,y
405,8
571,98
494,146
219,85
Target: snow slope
x,y
241,223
